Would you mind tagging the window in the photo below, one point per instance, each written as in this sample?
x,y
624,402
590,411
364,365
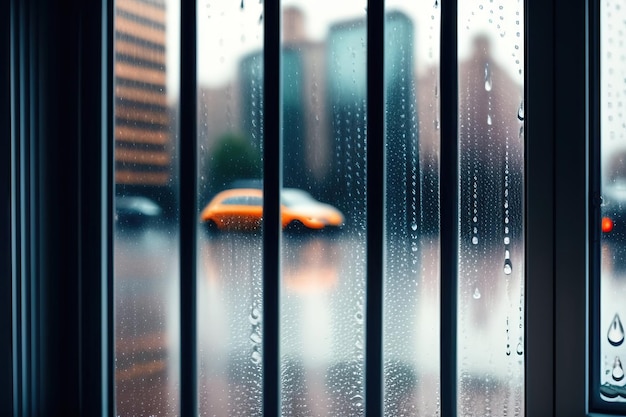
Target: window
x,y
63,248
606,369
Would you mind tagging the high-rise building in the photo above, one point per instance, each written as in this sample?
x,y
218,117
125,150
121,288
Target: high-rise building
x,y
142,119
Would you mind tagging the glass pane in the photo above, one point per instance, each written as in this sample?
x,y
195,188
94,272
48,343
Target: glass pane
x,y
609,374
491,241
323,246
230,126
412,280
146,243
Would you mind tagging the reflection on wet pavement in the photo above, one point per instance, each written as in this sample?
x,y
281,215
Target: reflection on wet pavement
x,y
322,328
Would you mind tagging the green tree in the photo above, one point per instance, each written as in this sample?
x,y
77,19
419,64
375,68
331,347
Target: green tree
x,y
233,158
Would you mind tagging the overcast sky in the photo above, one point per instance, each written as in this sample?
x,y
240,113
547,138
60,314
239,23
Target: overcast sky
x,y
226,31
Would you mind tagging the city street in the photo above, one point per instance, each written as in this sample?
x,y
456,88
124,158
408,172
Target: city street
x,y
322,326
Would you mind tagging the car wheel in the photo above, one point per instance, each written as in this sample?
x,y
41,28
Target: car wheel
x,y
211,227
296,226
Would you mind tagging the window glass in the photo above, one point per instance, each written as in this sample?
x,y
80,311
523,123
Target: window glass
x,y
491,241
322,321
146,283
230,126
609,373
412,278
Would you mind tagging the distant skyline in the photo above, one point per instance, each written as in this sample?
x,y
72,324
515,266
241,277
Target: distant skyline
x,y
226,32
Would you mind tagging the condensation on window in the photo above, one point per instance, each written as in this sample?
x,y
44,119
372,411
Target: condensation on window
x,y
491,241
230,250
612,350
145,259
411,326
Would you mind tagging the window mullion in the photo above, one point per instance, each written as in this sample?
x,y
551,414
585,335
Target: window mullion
x,y
539,375
272,166
375,208
188,210
449,206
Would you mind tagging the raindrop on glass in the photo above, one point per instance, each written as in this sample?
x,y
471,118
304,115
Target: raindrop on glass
x,y
255,338
414,226
436,4
520,348
241,4
359,317
475,240
476,294
520,111
256,357
616,332
255,317
508,268
507,240
618,371
489,122
488,83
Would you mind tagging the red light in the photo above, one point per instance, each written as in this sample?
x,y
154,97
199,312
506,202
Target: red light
x,y
607,225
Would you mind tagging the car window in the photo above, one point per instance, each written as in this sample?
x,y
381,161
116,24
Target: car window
x,y
243,201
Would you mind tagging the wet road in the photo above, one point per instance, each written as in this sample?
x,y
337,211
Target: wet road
x,y
322,326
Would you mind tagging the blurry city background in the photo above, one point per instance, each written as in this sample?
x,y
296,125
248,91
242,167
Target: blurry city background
x,y
324,109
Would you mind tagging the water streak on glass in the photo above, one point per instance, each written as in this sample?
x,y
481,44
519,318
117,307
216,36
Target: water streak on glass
x,y
146,281
491,241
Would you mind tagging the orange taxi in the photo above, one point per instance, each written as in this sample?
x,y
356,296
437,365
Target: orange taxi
x,y
241,209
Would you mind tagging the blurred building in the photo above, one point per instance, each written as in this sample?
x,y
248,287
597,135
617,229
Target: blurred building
x,y
306,149
142,119
347,107
324,112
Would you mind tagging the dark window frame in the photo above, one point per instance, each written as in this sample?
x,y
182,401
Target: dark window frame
x,y
61,324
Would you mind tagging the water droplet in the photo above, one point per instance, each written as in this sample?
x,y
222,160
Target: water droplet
x,y
255,317
520,348
414,227
359,317
256,357
255,338
508,268
618,371
616,332
488,83
520,111
241,4
507,240
436,4
475,240
476,294
489,122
